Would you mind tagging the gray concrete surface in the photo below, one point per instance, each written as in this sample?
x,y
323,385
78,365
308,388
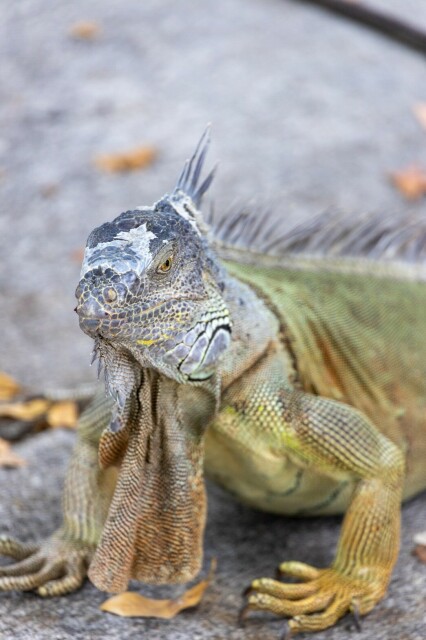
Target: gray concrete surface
x,y
309,112
246,543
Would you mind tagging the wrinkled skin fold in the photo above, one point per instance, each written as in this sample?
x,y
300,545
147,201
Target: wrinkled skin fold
x,y
159,500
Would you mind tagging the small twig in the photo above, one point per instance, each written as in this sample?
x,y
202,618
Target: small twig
x,y
389,25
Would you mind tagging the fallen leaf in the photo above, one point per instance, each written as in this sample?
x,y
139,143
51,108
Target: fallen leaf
x,y
63,414
133,605
420,113
48,190
420,552
9,388
411,182
138,158
77,255
7,457
25,411
85,30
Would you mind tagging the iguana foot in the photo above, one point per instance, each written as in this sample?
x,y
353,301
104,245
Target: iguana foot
x,y
324,596
53,568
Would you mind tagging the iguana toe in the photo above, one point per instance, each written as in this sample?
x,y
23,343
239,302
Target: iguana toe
x,y
71,581
14,549
29,581
28,565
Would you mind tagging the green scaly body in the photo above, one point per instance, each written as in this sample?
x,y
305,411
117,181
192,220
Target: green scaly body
x,y
352,336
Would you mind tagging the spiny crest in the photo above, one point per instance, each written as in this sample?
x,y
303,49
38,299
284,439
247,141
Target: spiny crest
x,y
189,178
395,236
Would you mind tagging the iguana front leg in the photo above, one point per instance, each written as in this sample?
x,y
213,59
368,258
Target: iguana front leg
x,y
334,440
59,564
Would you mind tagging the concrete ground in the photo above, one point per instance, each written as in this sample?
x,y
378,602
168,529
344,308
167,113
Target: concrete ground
x,y
309,112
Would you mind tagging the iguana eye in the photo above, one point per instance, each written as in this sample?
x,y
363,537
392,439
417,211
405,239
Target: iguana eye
x,y
166,265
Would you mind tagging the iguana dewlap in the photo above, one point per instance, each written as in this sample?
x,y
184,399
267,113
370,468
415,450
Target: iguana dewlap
x,y
297,381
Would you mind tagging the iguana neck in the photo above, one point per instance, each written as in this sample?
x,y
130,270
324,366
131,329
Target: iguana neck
x,y
254,327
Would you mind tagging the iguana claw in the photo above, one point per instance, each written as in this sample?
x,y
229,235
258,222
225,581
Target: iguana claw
x,y
242,615
356,616
287,633
54,568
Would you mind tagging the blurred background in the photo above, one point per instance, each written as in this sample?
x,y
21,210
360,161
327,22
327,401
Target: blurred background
x,y
309,112
100,104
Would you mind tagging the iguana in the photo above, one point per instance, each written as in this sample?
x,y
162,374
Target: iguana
x,y
297,381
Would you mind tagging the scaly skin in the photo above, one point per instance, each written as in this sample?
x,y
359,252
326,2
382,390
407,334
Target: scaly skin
x,y
301,385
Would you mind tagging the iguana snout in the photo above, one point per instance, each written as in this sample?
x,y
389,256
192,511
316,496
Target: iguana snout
x,y
91,315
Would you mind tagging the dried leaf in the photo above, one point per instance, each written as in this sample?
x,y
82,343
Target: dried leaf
x,y
411,182
48,190
63,414
420,113
133,605
77,255
85,30
420,552
138,158
7,457
9,388
25,411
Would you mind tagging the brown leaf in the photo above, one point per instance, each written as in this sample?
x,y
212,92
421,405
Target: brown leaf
x,y
25,411
138,158
77,255
9,388
85,30
420,113
411,182
133,605
63,414
48,190
7,457
420,552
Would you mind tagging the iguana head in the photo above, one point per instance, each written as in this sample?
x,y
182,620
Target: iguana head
x,y
150,284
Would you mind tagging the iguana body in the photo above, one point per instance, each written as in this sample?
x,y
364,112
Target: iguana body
x,y
299,381
344,335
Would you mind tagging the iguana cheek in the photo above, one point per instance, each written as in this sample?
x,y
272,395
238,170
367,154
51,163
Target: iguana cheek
x,y
195,356
217,346
176,355
200,350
